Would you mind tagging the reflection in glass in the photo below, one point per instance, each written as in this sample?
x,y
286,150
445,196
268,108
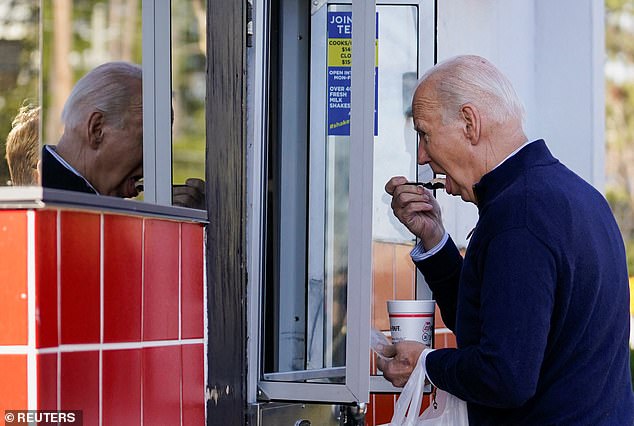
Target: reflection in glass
x,y
92,115
395,145
19,91
79,35
336,249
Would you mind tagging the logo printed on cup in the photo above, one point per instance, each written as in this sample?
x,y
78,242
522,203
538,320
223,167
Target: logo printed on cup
x,y
412,320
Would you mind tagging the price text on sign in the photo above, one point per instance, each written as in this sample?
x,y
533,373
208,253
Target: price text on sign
x,y
339,52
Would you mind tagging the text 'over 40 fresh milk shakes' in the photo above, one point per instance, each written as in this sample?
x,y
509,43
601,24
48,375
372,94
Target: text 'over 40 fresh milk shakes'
x,y
412,320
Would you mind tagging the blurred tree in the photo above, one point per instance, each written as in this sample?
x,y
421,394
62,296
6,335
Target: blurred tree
x,y
189,64
60,72
619,38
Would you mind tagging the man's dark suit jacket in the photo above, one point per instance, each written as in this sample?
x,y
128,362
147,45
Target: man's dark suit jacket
x,y
56,175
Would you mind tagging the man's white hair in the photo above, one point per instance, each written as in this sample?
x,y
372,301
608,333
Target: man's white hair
x,y
111,88
470,79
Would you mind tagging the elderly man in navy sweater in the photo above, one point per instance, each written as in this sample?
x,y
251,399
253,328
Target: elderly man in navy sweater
x,y
539,304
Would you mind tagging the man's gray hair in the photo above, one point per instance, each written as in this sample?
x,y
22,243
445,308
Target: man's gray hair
x,y
111,88
472,79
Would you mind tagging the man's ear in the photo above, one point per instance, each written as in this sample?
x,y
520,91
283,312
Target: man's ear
x,y
95,129
471,123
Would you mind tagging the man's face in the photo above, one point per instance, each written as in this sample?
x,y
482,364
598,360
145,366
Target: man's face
x,y
119,161
441,143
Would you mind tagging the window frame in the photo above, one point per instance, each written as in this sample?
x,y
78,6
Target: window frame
x,y
356,385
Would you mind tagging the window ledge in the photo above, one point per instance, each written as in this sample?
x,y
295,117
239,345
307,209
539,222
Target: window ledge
x,y
39,197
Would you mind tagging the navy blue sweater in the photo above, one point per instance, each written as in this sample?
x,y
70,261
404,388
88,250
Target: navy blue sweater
x,y
58,176
540,304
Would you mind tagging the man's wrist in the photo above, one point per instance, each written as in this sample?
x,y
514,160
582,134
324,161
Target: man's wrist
x,y
419,253
431,241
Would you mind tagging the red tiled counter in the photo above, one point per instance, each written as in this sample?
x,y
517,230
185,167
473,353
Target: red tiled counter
x,y
104,313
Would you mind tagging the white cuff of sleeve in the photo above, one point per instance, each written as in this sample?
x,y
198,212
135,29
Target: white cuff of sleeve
x,y
426,352
418,253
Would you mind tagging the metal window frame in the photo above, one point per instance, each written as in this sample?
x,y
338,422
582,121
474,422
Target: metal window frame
x,y
257,129
157,101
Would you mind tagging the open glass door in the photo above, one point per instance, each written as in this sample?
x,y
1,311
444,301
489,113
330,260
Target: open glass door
x,y
328,114
309,332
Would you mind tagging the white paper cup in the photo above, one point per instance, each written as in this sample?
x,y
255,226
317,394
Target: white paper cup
x,y
412,320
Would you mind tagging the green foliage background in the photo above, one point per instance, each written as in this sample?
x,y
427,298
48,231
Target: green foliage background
x,y
619,39
619,114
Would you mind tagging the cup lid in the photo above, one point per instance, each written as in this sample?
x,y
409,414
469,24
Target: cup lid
x,y
410,306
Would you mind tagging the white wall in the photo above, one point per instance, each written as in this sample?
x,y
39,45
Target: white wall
x,y
570,81
553,52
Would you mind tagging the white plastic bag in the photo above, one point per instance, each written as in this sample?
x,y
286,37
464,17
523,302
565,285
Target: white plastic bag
x,y
448,410
378,342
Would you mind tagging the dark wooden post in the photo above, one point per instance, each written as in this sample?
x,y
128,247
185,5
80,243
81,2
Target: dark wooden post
x,y
226,188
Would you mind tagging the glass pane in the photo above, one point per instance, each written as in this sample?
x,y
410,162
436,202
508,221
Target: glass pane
x,y
19,92
339,72
284,322
394,155
189,29
306,277
305,302
78,36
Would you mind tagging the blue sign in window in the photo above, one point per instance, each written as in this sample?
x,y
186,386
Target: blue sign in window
x,y
339,69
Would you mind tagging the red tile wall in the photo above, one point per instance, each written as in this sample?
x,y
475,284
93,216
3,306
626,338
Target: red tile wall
x,y
13,308
13,276
46,278
13,382
80,255
193,359
161,385
79,377
118,316
123,274
122,387
394,277
161,273
192,281
47,381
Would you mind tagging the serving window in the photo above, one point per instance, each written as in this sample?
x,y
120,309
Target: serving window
x,y
166,38
334,132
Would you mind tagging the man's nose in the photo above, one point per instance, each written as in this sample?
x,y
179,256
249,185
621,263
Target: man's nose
x,y
423,157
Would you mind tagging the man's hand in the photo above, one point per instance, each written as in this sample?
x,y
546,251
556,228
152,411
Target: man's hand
x,y
191,195
405,355
417,209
